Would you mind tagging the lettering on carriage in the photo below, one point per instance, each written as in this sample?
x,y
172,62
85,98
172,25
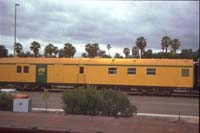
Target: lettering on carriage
x,y
41,71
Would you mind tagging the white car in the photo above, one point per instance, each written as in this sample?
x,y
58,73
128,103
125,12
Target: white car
x,y
14,93
8,91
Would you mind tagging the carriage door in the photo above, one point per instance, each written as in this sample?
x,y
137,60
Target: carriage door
x,y
81,75
41,73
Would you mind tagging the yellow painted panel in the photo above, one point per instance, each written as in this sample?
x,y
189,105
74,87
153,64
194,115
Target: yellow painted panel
x,y
50,73
30,76
62,73
165,76
70,73
7,73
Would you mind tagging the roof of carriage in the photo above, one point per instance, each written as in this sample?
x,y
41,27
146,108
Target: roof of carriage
x,y
98,61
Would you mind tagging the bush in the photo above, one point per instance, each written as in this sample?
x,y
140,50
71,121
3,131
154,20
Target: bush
x,y
93,102
6,102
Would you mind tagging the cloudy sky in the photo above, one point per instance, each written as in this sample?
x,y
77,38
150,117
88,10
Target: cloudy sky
x,y
118,23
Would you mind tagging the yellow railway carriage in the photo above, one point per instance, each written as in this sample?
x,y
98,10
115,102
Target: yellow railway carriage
x,y
130,73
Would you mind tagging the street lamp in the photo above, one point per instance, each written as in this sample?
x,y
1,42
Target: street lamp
x,y
16,4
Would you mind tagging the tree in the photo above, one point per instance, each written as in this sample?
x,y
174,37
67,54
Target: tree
x,y
35,46
141,44
92,49
159,55
108,47
69,50
28,54
18,48
148,54
163,49
117,55
165,43
135,52
3,51
196,55
55,51
186,54
61,53
175,44
22,54
84,55
126,51
101,53
45,97
48,50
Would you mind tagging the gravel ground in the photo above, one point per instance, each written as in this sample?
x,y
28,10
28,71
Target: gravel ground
x,y
93,124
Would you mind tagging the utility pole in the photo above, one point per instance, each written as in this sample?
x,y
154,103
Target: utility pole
x,y
16,4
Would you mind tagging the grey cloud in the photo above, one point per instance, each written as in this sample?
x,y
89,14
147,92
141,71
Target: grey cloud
x,y
58,22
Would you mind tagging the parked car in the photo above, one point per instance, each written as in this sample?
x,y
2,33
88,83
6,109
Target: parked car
x,y
14,93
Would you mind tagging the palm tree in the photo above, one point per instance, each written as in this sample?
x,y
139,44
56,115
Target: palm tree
x,y
108,47
35,46
69,50
141,44
135,52
175,44
165,42
162,47
48,50
18,48
126,51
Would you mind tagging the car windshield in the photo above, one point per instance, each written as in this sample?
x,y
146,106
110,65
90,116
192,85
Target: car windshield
x,y
8,91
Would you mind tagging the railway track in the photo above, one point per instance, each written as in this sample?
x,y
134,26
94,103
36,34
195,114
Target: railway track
x,y
177,93
174,94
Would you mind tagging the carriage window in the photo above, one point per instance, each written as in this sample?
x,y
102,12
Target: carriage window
x,y
26,69
131,71
112,70
19,69
185,72
151,71
81,70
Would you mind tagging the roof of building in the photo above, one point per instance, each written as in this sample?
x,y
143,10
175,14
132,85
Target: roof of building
x,y
98,61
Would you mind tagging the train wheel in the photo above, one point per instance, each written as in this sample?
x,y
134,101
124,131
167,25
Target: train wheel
x,y
169,92
149,91
160,92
